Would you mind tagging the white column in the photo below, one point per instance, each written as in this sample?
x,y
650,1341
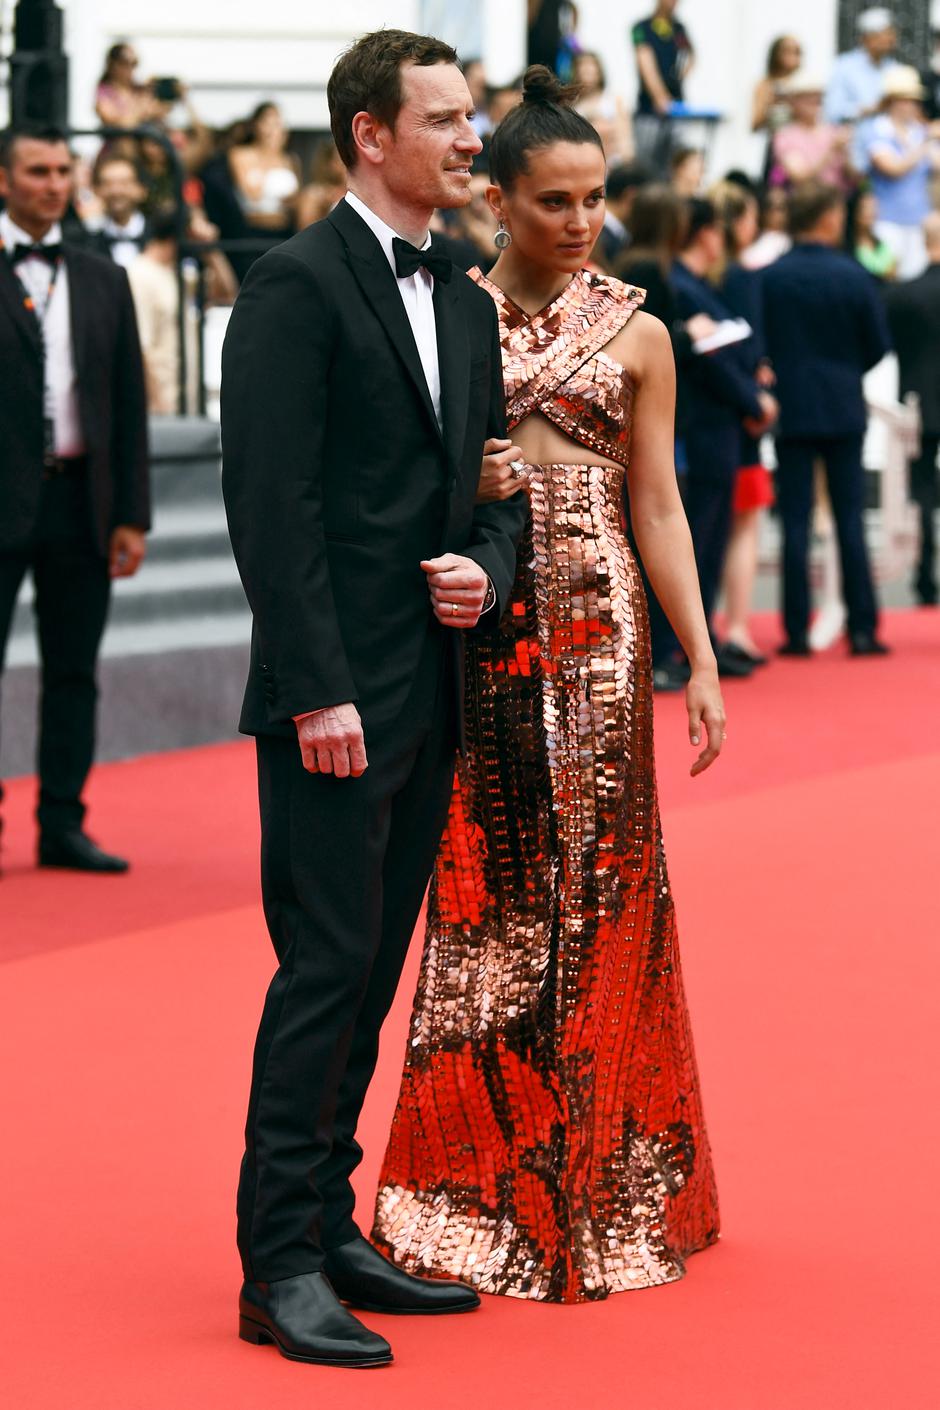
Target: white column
x,y
504,39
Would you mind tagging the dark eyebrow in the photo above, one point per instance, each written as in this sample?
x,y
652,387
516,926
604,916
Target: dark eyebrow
x,y
439,113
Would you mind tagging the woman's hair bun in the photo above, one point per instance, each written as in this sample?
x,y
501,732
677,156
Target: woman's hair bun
x,y
540,86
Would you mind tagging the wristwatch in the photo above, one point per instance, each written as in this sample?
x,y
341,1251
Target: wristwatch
x,y
490,598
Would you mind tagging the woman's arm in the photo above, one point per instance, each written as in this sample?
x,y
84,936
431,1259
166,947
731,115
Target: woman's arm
x,y
662,533
889,163
762,102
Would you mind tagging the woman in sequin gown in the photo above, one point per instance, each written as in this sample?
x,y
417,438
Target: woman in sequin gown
x,y
549,1140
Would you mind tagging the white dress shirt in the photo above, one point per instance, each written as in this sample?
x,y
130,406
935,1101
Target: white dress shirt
x,y
126,240
54,315
417,294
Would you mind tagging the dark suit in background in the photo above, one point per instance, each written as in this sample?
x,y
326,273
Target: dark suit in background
x,y
338,481
57,523
716,394
914,318
825,327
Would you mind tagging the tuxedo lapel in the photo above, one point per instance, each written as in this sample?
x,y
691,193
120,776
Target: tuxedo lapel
x,y
12,295
453,352
79,312
377,282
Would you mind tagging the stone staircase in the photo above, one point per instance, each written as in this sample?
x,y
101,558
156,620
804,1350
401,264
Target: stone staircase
x,y
174,656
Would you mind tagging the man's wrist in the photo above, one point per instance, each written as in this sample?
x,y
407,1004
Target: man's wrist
x,y
489,600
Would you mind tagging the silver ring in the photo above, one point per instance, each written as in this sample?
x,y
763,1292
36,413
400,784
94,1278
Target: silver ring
x,y
454,609
518,469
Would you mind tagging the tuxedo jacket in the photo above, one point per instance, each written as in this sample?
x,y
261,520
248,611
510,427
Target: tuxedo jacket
x,y
112,401
825,326
914,319
337,478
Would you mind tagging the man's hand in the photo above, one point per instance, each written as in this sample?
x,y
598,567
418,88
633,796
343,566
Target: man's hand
x,y
126,551
458,589
331,742
497,480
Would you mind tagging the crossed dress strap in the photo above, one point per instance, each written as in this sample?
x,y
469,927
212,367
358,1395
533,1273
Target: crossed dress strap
x,y
542,351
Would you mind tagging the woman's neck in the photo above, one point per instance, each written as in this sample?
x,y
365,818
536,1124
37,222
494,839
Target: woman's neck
x,y
530,286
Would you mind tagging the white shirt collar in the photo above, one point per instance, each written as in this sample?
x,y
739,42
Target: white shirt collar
x,y
382,232
12,234
131,231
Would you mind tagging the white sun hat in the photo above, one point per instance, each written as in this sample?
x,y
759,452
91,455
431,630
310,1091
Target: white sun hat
x,y
876,20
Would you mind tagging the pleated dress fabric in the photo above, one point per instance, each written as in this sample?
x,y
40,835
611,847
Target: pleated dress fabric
x,y
549,1141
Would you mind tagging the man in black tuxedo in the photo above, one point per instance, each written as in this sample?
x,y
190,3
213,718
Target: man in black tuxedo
x,y
121,191
824,327
74,479
361,378
914,318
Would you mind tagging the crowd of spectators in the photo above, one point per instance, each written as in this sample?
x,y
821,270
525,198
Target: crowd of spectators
x,y
859,148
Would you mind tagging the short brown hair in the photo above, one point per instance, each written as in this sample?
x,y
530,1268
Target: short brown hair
x,y
367,79
809,202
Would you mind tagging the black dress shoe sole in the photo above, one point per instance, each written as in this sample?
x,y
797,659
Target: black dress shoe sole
x,y
77,866
406,1311
258,1335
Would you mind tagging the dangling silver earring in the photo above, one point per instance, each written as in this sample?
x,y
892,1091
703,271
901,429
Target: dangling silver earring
x,y
502,239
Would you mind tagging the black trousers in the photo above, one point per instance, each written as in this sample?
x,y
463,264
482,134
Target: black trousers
x,y
924,492
344,866
72,590
842,457
713,454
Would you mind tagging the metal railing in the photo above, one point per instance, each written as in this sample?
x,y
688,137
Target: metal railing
x,y
186,250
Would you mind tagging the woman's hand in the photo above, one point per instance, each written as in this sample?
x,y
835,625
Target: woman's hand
x,y
706,711
497,480
700,326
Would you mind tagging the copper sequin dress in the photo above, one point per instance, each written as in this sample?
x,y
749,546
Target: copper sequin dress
x,y
549,1139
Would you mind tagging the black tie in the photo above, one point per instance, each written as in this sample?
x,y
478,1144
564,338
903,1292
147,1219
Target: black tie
x,y
50,253
408,261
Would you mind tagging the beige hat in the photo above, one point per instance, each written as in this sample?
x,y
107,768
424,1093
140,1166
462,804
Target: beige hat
x,y
903,81
801,82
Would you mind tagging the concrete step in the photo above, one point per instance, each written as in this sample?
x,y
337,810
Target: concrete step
x,y
161,591
185,461
188,531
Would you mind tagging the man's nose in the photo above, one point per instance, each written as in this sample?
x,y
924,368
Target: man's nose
x,y
469,140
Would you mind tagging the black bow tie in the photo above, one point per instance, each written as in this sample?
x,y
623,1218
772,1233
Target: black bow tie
x,y
50,253
408,261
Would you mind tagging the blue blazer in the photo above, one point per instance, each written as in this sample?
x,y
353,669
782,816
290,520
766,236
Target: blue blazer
x,y
716,389
824,327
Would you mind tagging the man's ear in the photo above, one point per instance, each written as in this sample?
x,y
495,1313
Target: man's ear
x,y
4,182
367,136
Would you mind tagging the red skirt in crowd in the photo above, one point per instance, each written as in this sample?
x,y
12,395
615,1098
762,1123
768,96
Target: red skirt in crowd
x,y
753,488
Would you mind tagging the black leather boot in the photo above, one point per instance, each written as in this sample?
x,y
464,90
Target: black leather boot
x,y
362,1276
305,1320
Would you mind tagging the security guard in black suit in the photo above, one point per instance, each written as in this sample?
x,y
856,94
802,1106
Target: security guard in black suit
x,y
74,482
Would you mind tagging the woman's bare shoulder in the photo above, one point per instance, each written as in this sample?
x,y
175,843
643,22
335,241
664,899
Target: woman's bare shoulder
x,y
641,344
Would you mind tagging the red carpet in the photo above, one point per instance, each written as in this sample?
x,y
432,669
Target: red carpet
x,y
806,874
